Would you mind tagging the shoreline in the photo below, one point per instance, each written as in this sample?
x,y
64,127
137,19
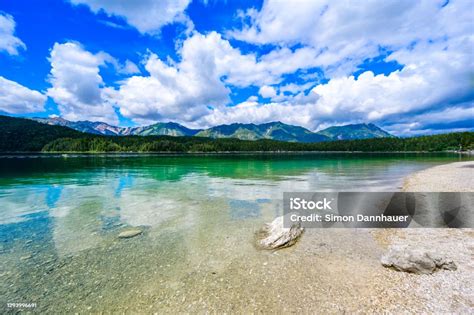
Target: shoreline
x,y
221,153
452,177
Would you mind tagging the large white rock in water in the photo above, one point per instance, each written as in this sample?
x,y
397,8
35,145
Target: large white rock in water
x,y
274,235
416,261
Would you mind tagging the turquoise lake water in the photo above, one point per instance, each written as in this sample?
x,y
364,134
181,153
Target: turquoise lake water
x,y
60,217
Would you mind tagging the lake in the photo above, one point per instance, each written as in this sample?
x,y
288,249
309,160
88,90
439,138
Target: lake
x,y
60,217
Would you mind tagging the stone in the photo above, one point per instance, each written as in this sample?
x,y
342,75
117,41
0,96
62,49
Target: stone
x,y
418,261
274,235
130,233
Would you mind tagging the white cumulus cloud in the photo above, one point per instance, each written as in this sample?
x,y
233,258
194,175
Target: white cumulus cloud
x,y
267,91
18,99
345,33
8,41
77,86
147,16
181,93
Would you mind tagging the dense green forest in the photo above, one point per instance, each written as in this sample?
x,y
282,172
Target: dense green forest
x,y
19,134
23,135
453,141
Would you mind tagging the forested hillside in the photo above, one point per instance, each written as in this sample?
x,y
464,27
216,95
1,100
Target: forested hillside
x,y
18,134
453,141
21,135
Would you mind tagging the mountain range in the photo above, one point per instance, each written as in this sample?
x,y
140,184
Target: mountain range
x,y
27,135
272,130
101,128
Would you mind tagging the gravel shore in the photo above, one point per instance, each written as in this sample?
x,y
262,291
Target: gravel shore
x,y
443,291
455,177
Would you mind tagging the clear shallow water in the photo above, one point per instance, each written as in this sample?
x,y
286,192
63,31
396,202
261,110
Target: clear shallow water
x,y
60,217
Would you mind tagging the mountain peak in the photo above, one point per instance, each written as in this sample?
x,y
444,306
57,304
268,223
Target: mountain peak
x,y
277,122
355,131
275,130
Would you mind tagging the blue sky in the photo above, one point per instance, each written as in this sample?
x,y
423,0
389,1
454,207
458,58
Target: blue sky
x,y
406,66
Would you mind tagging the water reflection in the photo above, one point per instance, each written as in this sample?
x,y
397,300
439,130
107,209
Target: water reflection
x,y
87,195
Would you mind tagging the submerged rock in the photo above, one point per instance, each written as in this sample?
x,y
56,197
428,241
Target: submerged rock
x,y
416,261
130,233
274,235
